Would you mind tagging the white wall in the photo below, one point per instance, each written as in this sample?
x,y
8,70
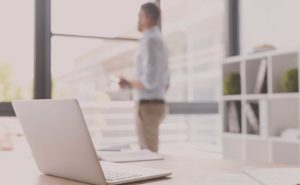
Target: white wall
x,y
273,22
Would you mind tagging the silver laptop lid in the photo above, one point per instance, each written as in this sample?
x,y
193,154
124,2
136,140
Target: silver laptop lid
x,y
59,139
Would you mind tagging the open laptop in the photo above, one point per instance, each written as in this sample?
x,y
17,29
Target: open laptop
x,y
61,145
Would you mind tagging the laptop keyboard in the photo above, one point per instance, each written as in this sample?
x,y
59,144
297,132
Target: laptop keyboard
x,y
116,171
115,176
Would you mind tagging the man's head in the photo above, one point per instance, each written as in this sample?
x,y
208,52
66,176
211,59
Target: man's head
x,y
149,16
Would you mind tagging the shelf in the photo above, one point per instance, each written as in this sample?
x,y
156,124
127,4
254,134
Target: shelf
x,y
234,59
280,65
232,117
256,117
256,137
257,150
274,110
282,52
288,153
284,95
256,96
261,96
229,71
284,140
232,97
259,55
256,76
232,135
233,148
252,115
282,114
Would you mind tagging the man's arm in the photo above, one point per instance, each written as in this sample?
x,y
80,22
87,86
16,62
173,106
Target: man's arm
x,y
150,77
134,84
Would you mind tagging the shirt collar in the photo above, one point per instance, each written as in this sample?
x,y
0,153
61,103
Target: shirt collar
x,y
150,31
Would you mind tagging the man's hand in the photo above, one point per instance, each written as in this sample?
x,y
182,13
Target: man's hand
x,y
135,84
123,83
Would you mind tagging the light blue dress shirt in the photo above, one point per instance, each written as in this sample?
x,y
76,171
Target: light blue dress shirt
x,y
152,66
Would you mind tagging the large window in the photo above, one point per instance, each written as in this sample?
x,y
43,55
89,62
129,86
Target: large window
x,y
194,33
103,18
88,68
93,42
16,49
16,62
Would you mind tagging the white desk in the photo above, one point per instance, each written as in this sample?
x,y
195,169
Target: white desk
x,y
19,170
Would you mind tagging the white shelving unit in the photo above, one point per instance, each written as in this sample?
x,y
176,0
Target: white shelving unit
x,y
279,110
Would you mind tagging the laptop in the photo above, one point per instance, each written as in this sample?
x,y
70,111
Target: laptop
x,y
61,145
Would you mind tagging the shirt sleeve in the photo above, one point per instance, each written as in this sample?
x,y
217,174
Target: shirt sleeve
x,y
150,77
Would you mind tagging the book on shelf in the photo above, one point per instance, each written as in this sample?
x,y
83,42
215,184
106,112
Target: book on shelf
x,y
261,78
233,118
263,118
252,118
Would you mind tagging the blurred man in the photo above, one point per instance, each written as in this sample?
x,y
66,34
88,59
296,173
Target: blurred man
x,y
152,78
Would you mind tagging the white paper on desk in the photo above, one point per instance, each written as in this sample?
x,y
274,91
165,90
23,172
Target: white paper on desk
x,y
113,147
230,179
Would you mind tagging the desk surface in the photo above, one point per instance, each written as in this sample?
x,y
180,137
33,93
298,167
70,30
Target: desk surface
x,y
21,170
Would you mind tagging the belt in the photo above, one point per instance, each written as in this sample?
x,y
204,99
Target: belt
x,y
152,101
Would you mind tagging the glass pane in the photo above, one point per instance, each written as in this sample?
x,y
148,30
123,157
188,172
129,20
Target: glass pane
x,y
106,18
16,49
88,69
194,32
269,23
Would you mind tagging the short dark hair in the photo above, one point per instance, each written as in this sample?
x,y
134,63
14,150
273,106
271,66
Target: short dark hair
x,y
152,10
